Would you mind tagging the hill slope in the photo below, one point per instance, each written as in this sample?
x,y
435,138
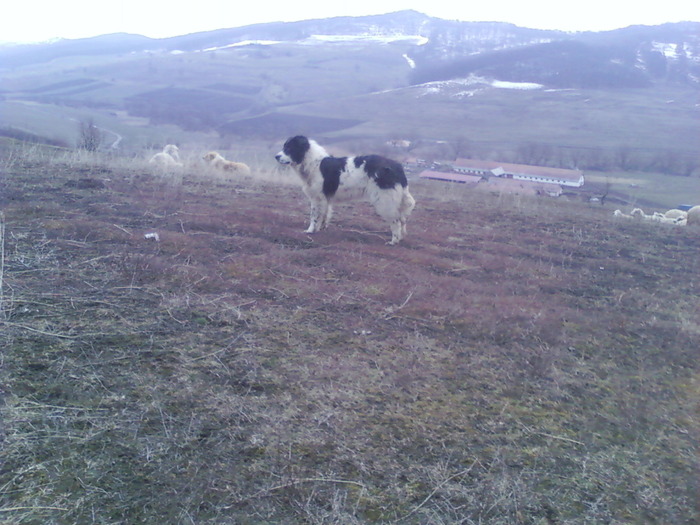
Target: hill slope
x,y
511,362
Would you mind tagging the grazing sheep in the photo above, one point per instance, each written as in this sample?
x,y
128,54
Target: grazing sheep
x,y
660,217
668,220
164,160
638,213
618,213
219,162
693,216
168,158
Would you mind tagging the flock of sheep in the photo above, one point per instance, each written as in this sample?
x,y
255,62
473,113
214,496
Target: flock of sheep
x,y
170,158
675,217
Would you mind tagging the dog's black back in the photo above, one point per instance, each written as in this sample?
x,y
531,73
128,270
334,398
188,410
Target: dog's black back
x,y
387,173
331,168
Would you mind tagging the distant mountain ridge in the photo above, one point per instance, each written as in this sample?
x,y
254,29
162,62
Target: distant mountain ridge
x,y
635,56
631,57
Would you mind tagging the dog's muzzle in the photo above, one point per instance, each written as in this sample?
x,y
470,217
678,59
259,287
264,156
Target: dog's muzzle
x,y
282,158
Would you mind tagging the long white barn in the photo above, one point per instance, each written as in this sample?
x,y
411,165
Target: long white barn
x,y
563,177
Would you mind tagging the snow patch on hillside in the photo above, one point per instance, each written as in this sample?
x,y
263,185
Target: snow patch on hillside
x,y
454,88
668,50
386,39
243,43
473,84
327,39
500,84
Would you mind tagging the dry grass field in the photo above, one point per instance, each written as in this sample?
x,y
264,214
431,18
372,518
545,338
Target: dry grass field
x,y
515,361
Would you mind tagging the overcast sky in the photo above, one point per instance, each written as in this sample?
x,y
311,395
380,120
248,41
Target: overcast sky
x,y
40,20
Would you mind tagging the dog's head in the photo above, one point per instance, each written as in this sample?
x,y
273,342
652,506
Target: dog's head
x,y
294,150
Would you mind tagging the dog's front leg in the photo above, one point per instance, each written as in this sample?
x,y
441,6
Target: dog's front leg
x,y
313,218
317,215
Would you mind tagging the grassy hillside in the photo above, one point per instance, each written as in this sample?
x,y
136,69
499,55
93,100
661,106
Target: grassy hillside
x,y
651,191
514,361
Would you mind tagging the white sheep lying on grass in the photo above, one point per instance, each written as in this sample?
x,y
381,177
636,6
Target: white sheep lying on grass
x,y
676,214
168,158
680,221
219,162
693,216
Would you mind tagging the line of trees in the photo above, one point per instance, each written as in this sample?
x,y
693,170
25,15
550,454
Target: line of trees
x,y
623,158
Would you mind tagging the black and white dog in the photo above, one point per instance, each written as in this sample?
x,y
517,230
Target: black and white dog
x,y
326,179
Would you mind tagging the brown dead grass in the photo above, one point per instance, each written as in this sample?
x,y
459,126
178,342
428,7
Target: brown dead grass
x,y
514,361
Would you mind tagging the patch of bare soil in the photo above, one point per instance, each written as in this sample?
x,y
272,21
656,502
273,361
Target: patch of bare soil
x,y
513,361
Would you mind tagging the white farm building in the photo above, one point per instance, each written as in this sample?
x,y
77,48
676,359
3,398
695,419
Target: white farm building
x,y
541,174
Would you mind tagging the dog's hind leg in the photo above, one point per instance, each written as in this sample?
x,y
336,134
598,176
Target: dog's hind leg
x,y
407,205
394,206
326,218
396,232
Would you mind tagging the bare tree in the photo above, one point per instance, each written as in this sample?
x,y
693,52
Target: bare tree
x,y
595,159
534,153
462,146
90,137
676,163
606,191
689,165
623,157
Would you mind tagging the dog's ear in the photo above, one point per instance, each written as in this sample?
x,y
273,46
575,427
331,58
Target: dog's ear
x,y
296,147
